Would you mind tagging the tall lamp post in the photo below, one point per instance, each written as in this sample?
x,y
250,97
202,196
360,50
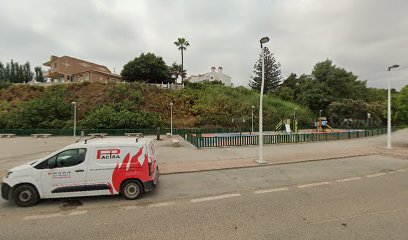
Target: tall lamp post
x,y
261,159
389,109
75,107
320,113
171,119
252,129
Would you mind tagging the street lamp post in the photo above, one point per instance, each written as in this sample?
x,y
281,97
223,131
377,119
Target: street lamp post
x,y
171,119
75,106
261,159
389,109
320,113
294,113
252,129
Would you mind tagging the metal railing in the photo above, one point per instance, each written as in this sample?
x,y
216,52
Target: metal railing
x,y
200,141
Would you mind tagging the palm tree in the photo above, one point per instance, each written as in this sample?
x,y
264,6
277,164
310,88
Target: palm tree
x,y
182,45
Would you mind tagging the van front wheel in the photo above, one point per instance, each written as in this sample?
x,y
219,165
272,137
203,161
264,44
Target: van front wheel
x,y
132,189
25,196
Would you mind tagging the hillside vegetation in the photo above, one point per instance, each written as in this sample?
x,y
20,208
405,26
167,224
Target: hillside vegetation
x,y
136,105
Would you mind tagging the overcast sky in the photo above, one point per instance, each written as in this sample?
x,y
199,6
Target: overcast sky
x,y
363,36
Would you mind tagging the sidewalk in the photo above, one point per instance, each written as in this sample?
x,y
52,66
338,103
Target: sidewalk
x,y
188,159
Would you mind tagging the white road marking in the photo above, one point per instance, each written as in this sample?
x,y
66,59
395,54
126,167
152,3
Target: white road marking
x,y
374,175
348,179
215,197
75,213
313,184
36,217
271,190
53,215
164,204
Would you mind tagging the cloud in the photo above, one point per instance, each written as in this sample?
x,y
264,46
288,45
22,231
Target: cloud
x,y
363,36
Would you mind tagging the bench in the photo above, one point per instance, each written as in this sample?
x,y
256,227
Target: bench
x,y
39,135
7,135
176,143
169,135
102,135
134,134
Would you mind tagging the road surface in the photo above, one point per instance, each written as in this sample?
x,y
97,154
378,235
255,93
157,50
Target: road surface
x,y
348,198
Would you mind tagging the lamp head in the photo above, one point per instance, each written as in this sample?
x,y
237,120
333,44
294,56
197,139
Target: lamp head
x,y
393,66
171,104
74,103
264,40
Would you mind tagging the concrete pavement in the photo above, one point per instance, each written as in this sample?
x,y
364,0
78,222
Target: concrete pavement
x,y
186,158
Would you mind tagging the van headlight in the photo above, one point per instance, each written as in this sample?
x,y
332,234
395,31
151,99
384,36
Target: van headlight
x,y
8,174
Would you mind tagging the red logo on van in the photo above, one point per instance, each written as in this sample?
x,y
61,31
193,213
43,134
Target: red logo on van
x,y
108,154
129,168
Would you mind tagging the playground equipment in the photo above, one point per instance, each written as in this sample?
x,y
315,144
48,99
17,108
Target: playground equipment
x,y
285,125
322,125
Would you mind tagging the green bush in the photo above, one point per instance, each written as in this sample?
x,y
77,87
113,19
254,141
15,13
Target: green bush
x,y
107,117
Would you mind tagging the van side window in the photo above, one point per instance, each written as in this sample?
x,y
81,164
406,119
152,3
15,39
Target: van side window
x,y
70,157
63,159
46,163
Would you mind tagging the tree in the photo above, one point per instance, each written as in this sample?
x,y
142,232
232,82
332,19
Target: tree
x,y
15,73
402,106
146,68
272,73
356,110
182,45
177,70
341,83
38,74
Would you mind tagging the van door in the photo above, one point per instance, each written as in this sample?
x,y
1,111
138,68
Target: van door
x,y
64,174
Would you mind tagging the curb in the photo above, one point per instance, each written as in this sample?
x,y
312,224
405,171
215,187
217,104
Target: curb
x,y
270,164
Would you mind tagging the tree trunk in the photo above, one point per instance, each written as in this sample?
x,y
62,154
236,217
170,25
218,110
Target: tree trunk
x,y
182,67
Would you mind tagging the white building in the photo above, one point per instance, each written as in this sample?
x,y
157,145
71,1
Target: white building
x,y
211,76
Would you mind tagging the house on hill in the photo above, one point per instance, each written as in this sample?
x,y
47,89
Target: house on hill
x,y
69,69
212,76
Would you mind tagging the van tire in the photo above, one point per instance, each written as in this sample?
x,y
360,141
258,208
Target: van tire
x,y
132,189
25,195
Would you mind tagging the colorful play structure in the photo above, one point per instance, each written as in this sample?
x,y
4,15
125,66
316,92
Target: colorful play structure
x,y
286,125
321,125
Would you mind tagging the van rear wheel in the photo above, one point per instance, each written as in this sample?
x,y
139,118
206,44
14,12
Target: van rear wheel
x,y
132,189
25,196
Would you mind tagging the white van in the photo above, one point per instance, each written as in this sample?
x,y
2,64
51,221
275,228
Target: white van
x,y
92,167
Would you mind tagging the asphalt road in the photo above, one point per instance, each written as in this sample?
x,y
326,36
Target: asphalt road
x,y
351,198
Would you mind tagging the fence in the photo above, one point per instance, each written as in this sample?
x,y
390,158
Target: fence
x,y
194,135
225,141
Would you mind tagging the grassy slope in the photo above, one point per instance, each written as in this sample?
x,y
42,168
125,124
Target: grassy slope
x,y
195,106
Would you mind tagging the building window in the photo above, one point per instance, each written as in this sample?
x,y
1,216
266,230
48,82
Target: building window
x,y
55,65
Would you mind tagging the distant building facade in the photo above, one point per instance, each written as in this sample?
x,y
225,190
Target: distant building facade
x,y
69,69
211,76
